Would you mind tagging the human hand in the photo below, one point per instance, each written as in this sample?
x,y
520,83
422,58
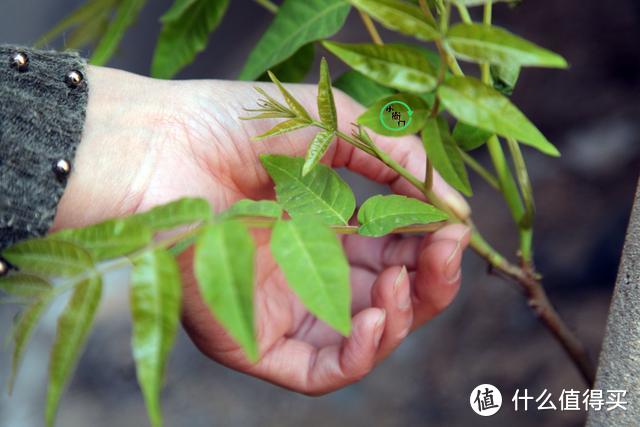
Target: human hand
x,y
148,142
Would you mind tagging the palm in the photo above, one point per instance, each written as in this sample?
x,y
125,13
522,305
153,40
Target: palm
x,y
216,159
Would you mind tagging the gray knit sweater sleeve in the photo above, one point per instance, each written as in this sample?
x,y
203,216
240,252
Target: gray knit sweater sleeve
x,y
43,97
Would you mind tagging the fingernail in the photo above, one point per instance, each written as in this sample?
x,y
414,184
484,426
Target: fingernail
x,y
401,293
452,269
379,329
458,204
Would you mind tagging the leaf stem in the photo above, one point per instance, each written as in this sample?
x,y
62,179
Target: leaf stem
x,y
371,28
486,20
269,5
526,222
480,170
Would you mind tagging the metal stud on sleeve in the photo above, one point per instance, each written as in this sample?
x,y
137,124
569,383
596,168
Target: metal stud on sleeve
x,y
4,267
20,61
62,169
74,78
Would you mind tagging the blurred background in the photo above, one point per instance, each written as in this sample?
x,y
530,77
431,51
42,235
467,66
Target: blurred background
x,y
591,112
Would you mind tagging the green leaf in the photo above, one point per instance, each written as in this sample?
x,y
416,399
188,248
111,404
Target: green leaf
x,y
295,68
295,106
316,268
326,104
400,16
29,287
155,311
49,257
247,207
25,286
282,127
185,33
317,148
321,193
224,265
505,77
127,13
445,155
109,239
476,104
393,65
82,17
469,137
484,43
181,212
296,24
380,215
361,88
373,120
74,325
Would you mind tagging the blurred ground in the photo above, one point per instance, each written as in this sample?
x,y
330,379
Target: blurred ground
x,y
488,336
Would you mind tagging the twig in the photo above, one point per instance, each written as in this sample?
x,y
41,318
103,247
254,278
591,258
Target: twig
x,y
269,5
371,28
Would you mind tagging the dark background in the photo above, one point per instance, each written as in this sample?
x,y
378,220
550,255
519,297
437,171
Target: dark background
x,y
488,335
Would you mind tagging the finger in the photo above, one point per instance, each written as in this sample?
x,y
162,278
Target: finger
x,y
304,368
392,292
376,254
439,270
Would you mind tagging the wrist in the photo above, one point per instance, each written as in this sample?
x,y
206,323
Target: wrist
x,y
110,169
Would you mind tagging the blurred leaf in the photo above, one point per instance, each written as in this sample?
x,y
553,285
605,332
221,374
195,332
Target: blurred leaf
x,y
126,14
155,310
380,215
109,239
476,104
395,66
400,16
469,137
296,24
185,33
484,43
444,154
224,265
316,268
505,77
295,68
420,110
321,193
282,127
326,104
316,150
181,212
74,325
361,88
84,18
295,106
29,287
247,207
48,257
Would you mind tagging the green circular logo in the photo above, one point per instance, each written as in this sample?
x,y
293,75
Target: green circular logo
x,y
396,115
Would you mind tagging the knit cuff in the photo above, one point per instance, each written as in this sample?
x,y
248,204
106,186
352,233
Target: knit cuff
x,y
43,98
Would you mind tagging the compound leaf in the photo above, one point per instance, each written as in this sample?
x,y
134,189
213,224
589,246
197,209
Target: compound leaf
x,y
109,239
247,207
374,116
316,150
479,105
380,215
445,155
398,66
320,193
400,16
485,43
185,32
126,14
296,24
316,268
155,311
74,325
224,264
